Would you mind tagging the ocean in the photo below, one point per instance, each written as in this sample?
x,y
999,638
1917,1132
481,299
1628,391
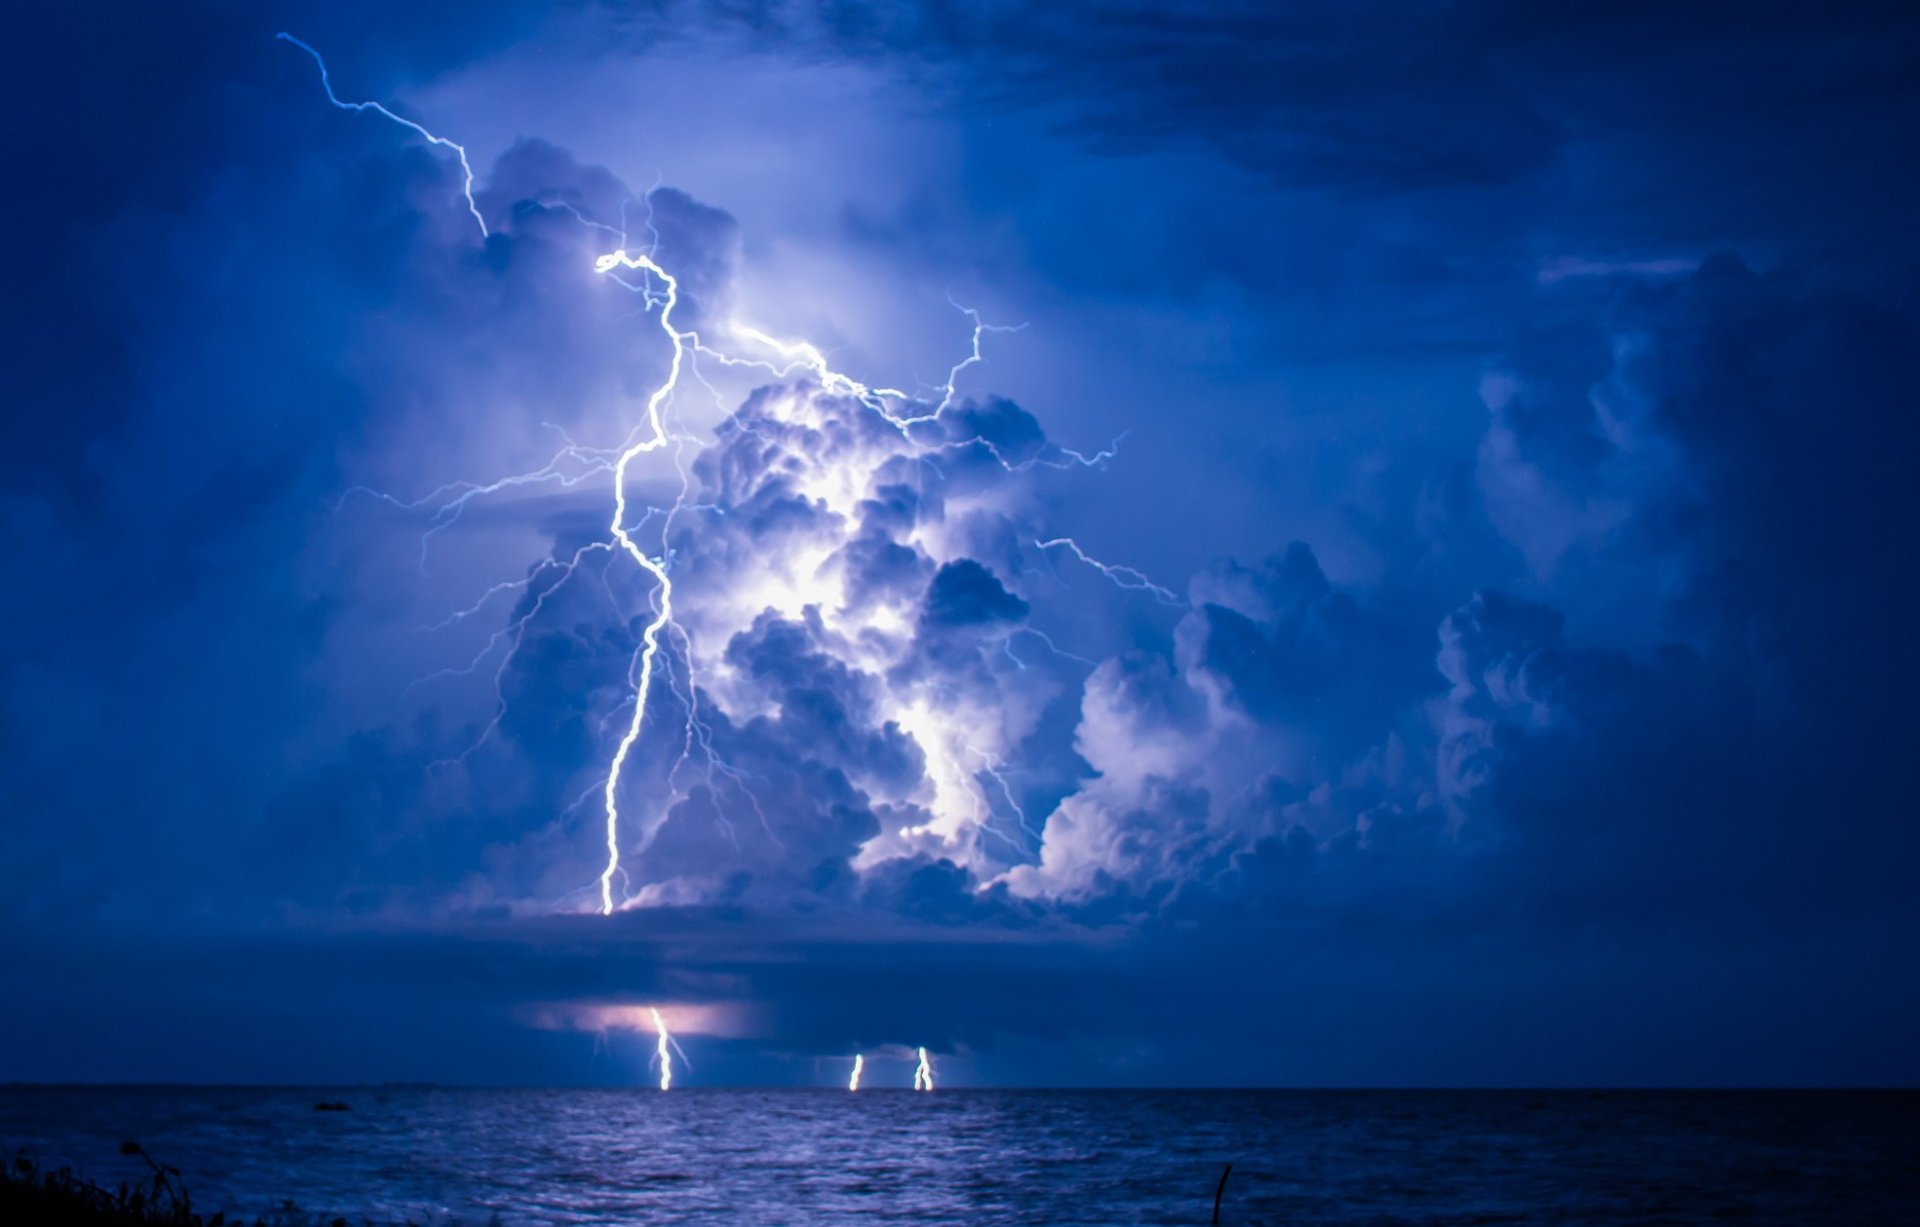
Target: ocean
x,y
711,1156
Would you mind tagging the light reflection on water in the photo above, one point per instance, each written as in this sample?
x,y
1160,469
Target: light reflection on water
x,y
701,1155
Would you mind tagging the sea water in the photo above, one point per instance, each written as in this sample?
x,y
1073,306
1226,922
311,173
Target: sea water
x,y
700,1155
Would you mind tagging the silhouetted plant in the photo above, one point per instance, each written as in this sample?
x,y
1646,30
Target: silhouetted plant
x,y
63,1198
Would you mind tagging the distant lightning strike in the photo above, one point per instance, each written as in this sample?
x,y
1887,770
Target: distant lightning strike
x,y
923,1073
663,1051
574,463
859,1063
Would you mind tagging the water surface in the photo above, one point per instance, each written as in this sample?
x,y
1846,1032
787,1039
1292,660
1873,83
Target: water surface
x,y
710,1156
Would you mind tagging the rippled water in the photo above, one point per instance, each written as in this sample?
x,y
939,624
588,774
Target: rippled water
x,y
977,1157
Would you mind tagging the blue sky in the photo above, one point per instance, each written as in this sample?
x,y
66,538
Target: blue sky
x,y
1514,410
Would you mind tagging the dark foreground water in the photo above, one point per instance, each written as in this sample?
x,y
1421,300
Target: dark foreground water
x,y
978,1157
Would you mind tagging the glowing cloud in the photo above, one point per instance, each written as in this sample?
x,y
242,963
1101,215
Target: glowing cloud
x,y
828,520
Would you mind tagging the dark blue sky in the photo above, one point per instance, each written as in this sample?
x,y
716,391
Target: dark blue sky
x,y
1516,409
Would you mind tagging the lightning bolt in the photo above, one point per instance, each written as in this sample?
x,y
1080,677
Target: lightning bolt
x,y
923,1073
460,151
859,1063
1122,576
914,417
663,610
663,1051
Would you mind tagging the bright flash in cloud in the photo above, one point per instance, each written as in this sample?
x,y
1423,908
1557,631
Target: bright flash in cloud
x,y
870,559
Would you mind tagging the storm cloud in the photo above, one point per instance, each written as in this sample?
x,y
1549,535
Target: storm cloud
x,y
1524,484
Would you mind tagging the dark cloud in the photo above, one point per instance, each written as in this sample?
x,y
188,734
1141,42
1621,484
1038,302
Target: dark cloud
x,y
1279,637
966,594
455,1004
1315,92
1623,125
1752,505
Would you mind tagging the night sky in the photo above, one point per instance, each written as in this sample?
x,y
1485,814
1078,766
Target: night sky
x,y
1501,420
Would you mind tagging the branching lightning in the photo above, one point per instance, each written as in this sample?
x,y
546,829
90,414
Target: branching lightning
x,y
923,1073
663,610
1122,576
957,765
466,167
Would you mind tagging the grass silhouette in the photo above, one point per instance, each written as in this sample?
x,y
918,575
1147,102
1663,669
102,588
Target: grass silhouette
x,y
61,1197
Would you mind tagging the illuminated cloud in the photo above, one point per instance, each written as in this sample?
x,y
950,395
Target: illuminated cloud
x,y
730,1021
